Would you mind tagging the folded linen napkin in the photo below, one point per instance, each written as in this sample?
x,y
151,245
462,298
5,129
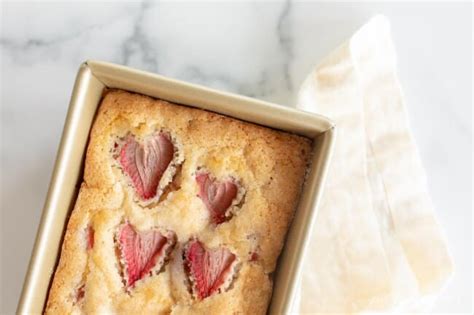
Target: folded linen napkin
x,y
376,244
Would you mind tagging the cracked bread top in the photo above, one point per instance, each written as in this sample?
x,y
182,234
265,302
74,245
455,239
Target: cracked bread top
x,y
180,211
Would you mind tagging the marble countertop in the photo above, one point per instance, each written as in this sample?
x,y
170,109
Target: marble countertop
x,y
259,49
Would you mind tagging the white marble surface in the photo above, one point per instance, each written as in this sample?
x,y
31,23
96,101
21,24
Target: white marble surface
x,y
260,49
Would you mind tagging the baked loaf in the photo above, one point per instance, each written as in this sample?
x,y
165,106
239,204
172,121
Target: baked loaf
x,y
180,211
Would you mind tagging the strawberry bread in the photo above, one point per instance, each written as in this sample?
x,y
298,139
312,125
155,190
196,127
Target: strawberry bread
x,y
180,211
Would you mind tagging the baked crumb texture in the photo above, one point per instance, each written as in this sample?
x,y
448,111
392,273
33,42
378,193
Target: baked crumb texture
x,y
180,211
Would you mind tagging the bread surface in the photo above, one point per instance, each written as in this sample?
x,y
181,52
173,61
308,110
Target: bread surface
x,y
268,165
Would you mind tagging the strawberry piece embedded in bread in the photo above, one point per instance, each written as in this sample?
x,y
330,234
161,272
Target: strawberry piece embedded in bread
x,y
210,270
216,195
90,237
142,252
146,163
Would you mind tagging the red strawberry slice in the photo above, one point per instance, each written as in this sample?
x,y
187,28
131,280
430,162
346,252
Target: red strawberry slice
x,y
90,237
210,270
80,293
145,163
141,252
216,195
254,256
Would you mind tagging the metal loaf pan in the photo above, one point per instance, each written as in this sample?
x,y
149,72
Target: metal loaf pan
x,y
95,76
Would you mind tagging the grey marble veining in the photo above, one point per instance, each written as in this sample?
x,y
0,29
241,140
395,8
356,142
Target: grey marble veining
x,y
259,49
285,40
137,45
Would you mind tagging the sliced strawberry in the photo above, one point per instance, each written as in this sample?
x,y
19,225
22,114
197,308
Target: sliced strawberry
x,y
210,270
254,256
141,252
145,163
216,195
80,293
90,237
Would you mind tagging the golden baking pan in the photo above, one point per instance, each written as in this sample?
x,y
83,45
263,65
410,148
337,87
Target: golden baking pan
x,y
95,76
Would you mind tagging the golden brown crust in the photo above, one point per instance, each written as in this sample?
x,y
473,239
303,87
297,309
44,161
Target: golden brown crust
x,y
270,165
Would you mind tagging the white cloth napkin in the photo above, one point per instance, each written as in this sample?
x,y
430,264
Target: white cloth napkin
x,y
376,244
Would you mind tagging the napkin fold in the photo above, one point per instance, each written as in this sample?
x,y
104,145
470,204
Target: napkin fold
x,y
376,244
